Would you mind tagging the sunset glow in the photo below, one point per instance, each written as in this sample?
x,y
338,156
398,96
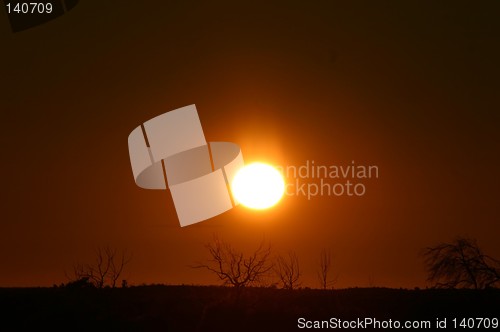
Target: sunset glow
x,y
258,186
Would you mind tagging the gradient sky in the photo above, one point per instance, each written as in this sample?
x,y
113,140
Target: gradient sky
x,y
412,88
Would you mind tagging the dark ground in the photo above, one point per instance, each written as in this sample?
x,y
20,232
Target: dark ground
x,y
197,308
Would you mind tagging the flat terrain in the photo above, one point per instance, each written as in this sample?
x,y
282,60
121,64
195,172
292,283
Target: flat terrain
x,y
199,308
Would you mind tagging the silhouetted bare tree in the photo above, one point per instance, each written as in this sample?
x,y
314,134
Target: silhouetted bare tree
x,y
106,269
288,271
325,264
461,264
117,263
233,267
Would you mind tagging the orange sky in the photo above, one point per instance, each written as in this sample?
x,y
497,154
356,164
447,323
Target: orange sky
x,y
410,88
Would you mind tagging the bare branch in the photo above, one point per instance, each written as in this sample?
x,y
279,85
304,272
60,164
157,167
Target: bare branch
x,y
106,270
288,271
233,267
461,264
116,266
325,264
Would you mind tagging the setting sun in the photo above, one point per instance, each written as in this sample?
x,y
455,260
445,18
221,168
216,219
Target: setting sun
x,y
258,186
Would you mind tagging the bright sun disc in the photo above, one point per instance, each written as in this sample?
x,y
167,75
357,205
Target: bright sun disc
x,y
258,186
